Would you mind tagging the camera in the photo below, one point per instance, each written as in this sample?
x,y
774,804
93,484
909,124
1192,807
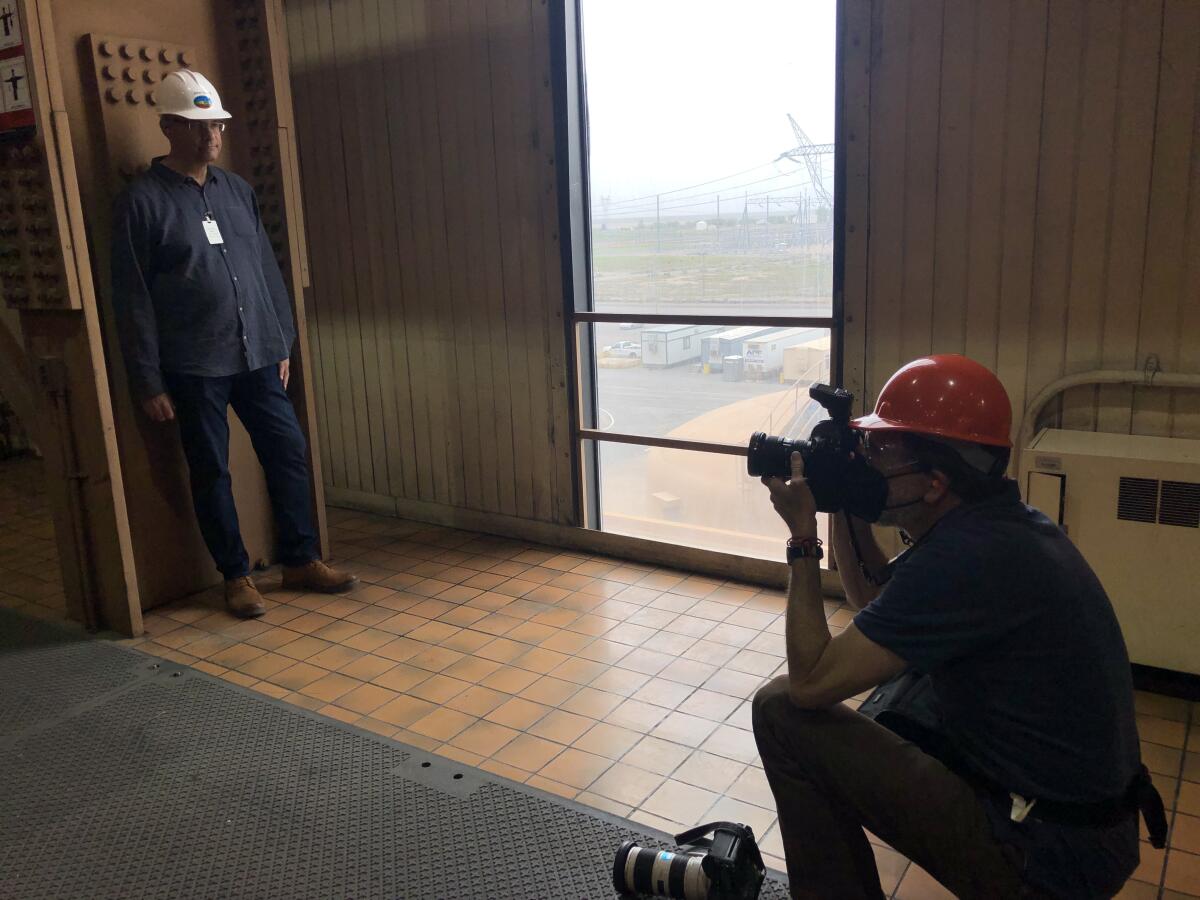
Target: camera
x,y
771,456
836,472
731,869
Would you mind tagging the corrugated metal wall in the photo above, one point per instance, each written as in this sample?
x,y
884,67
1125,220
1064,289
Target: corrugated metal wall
x,y
1024,187
427,158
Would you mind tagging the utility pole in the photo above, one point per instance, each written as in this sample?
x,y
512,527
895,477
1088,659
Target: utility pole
x,y
657,223
746,217
718,223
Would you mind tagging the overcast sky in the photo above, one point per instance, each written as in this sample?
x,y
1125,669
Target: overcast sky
x,y
685,91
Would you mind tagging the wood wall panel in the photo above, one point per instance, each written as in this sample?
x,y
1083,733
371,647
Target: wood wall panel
x,y
412,352
1008,326
952,173
495,405
562,451
856,28
1137,91
1173,213
426,143
885,189
513,183
1093,163
1056,190
982,260
921,131
1033,192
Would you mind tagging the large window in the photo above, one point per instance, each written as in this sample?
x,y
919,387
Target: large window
x,y
710,301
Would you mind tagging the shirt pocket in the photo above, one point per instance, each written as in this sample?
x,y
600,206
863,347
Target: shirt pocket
x,y
239,221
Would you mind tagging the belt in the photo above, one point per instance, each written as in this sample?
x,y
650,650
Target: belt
x,y
1140,796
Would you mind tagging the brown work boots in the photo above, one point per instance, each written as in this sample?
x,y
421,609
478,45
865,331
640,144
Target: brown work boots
x,y
243,599
316,576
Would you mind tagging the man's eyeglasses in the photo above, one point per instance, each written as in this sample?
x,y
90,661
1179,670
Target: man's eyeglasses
x,y
198,126
874,447
874,443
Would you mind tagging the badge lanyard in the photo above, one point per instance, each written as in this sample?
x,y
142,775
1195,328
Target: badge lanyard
x,y
211,230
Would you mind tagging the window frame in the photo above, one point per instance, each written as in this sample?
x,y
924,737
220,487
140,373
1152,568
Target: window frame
x,y
577,270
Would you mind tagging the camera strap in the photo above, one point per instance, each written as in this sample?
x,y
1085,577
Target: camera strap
x,y
892,563
698,836
862,566
731,842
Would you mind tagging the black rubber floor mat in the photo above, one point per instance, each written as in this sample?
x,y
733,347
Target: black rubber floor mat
x,y
127,776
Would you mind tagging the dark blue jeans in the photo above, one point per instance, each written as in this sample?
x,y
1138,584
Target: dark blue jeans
x,y
201,408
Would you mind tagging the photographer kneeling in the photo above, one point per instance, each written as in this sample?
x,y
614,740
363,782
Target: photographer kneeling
x,y
1023,777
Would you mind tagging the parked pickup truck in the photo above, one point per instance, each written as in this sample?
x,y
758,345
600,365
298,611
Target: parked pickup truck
x,y
623,350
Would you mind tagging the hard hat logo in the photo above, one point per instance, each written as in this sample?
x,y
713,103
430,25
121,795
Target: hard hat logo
x,y
189,95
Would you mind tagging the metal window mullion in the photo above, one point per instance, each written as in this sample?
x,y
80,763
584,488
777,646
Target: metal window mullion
x,y
641,440
579,318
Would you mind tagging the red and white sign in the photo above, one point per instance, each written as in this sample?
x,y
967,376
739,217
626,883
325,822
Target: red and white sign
x,y
10,25
16,108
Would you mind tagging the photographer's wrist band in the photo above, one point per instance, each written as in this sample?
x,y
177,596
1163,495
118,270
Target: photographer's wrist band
x,y
805,548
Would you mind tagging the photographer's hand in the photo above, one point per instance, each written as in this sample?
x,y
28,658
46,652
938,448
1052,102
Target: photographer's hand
x,y
794,501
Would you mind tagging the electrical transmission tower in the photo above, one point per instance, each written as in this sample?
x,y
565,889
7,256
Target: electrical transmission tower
x,y
810,154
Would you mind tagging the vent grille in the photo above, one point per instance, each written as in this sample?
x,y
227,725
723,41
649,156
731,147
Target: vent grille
x,y
1180,504
1137,500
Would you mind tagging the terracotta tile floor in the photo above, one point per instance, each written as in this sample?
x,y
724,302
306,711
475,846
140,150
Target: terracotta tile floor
x,y
618,685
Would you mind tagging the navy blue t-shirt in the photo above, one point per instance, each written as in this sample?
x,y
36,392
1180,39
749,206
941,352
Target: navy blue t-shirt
x,y
1031,675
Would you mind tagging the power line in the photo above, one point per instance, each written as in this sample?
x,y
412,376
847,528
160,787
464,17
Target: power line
x,y
693,186
710,193
751,198
607,209
707,200
629,207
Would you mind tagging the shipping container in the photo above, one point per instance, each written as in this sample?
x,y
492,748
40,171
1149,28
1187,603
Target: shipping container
x,y
673,345
764,355
715,347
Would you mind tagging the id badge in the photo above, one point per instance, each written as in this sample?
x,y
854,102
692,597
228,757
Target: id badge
x,y
213,232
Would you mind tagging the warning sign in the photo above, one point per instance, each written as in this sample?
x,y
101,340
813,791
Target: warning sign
x,y
15,85
16,108
10,25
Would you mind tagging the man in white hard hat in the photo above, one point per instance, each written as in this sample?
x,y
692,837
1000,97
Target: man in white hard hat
x,y
205,322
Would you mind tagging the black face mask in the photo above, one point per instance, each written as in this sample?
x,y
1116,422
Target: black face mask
x,y
835,469
866,490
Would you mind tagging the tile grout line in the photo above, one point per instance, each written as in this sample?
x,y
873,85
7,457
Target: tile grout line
x,y
668,776
1174,809
433,540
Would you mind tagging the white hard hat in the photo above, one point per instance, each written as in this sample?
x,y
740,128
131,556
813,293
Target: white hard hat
x,y
189,95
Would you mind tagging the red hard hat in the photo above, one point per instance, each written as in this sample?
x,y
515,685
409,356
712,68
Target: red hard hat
x,y
946,396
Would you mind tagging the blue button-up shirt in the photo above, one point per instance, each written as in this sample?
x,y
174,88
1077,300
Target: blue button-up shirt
x,y
184,304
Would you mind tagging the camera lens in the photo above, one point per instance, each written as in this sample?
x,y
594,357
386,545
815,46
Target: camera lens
x,y
641,872
770,456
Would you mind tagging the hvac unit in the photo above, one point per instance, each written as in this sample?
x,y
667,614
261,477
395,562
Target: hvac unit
x,y
1131,504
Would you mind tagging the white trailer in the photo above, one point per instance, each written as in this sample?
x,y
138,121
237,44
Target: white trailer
x,y
808,361
715,347
764,355
673,345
